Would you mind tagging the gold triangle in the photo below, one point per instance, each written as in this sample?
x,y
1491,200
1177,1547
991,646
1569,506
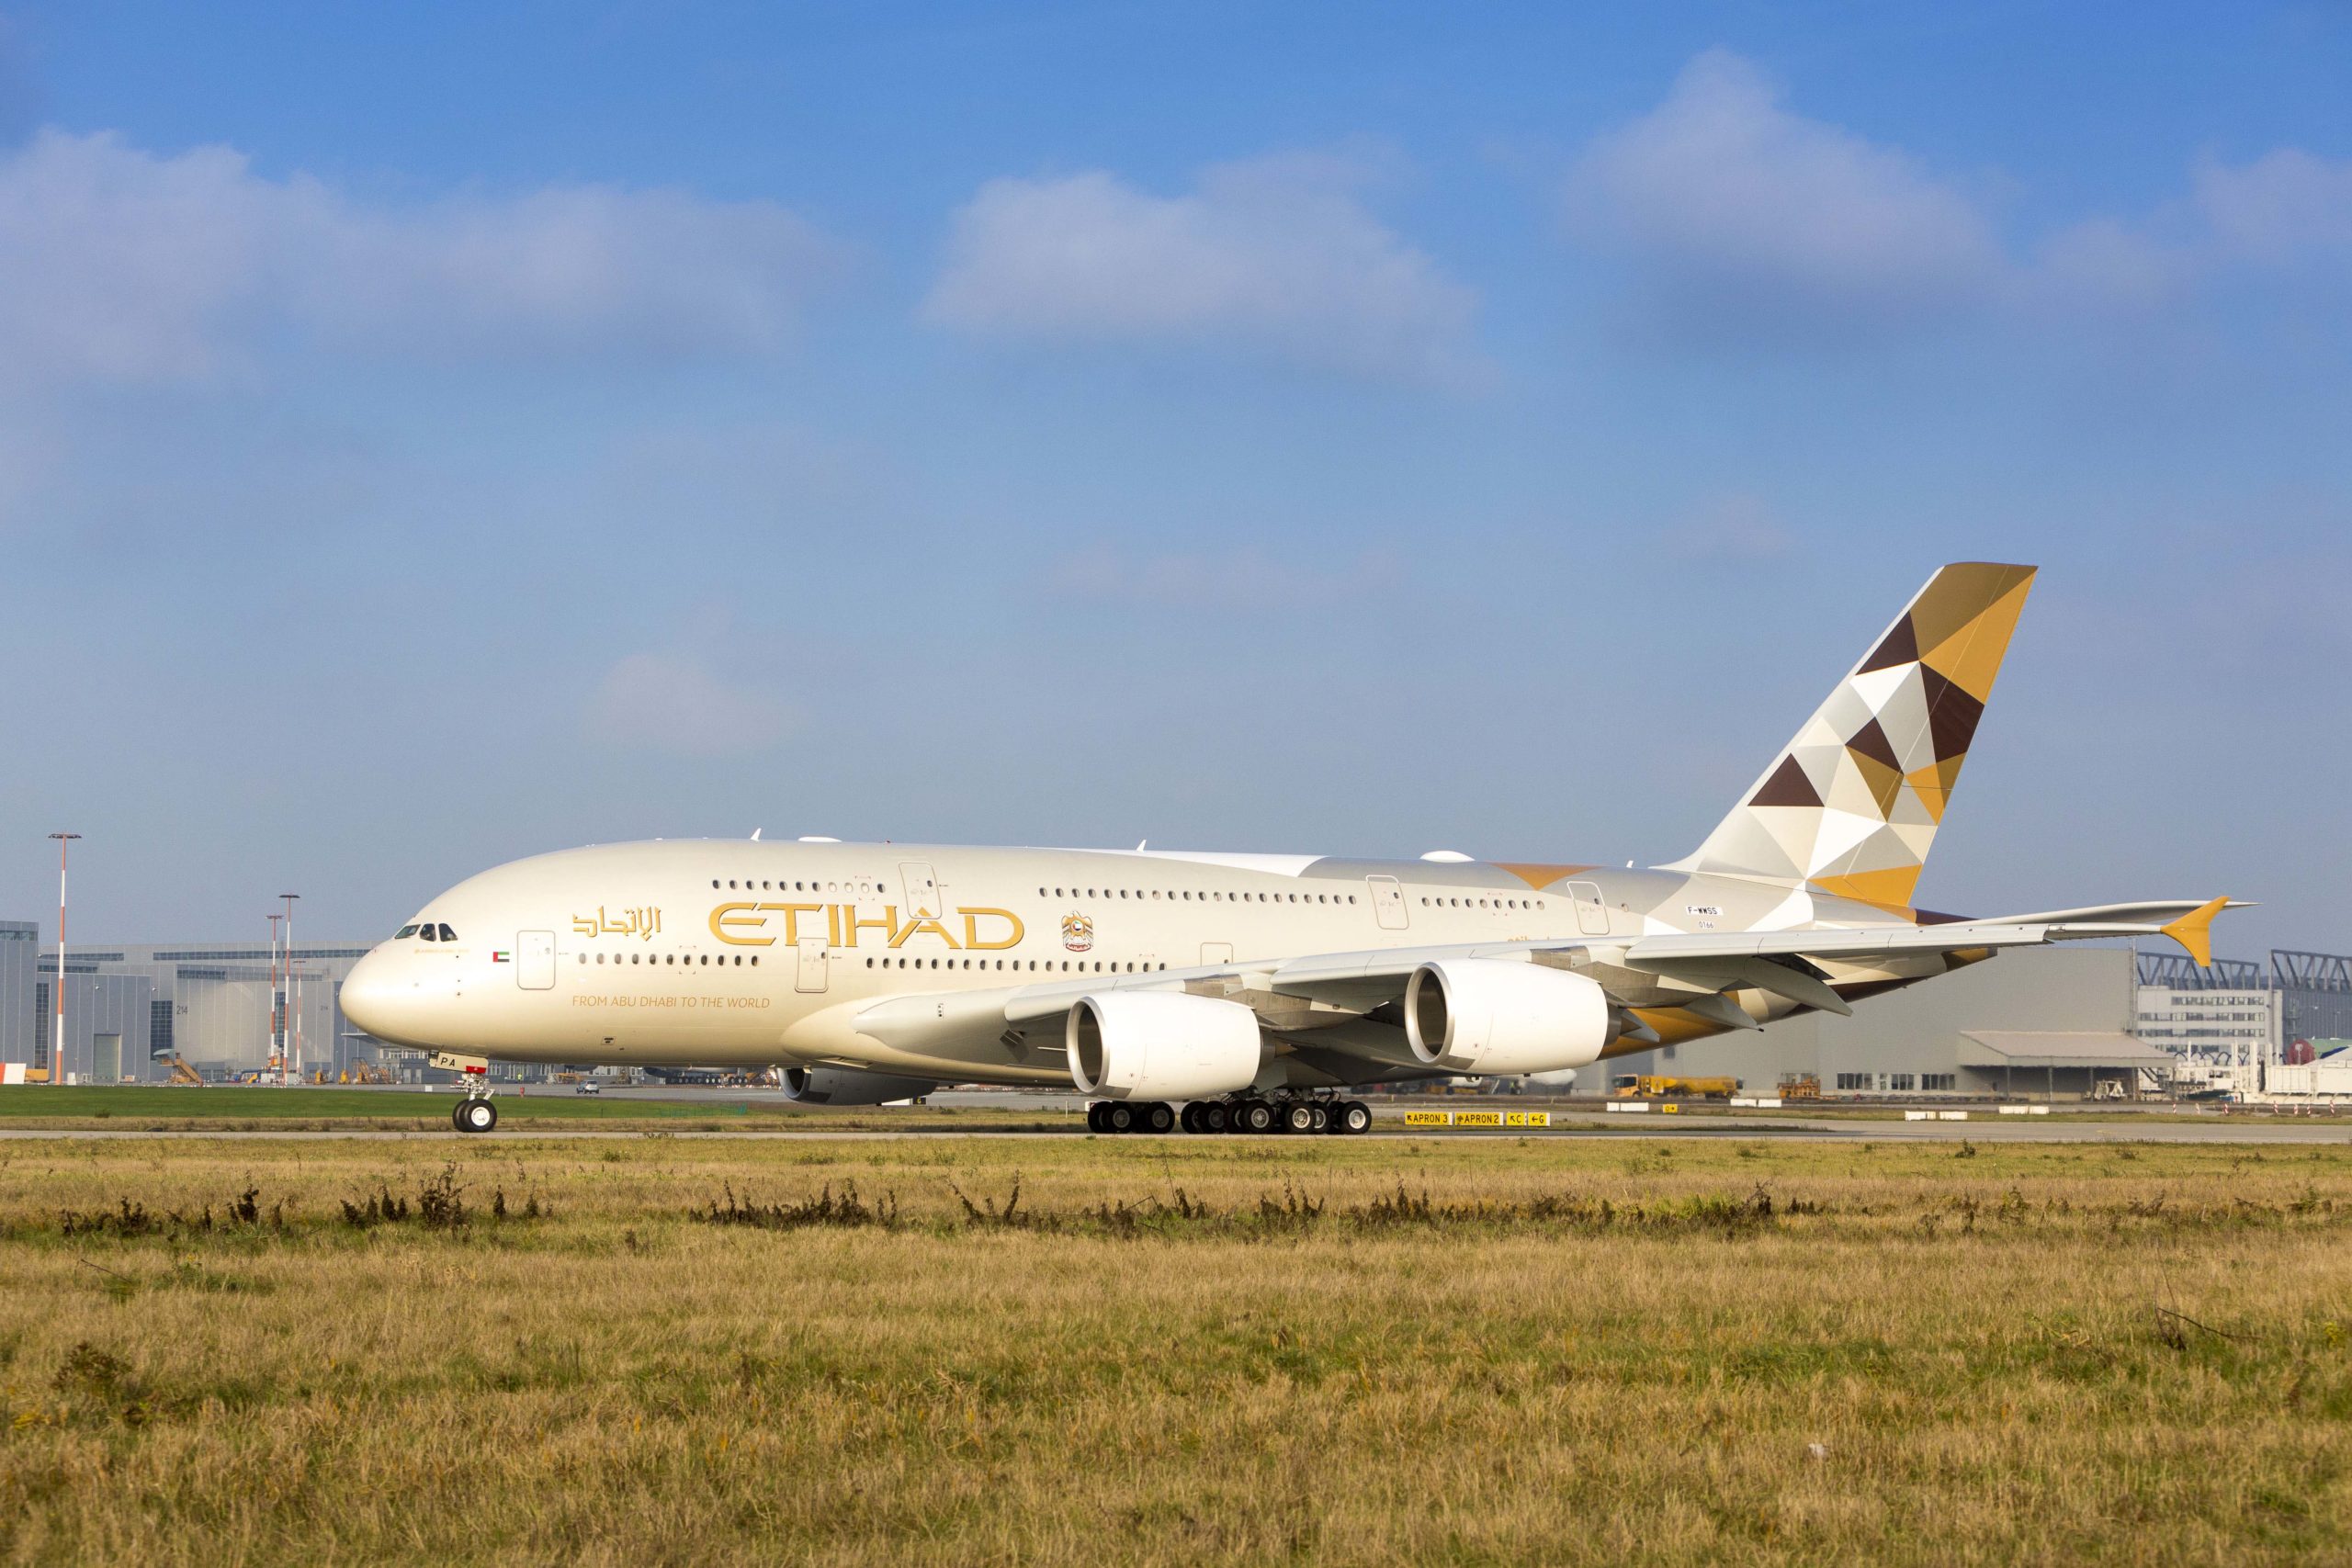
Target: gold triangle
x,y
1891,886
1539,876
1970,657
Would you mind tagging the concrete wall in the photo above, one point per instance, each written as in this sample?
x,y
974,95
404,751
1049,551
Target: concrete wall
x,y
1913,1030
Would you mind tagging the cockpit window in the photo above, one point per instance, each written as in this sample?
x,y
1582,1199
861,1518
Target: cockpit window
x,y
447,935
403,934
427,932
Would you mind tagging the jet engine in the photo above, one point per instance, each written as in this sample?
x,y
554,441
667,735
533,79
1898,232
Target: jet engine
x,y
1498,1016
1160,1046
841,1086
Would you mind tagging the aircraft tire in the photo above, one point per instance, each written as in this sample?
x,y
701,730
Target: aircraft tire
x,y
1119,1119
474,1116
1322,1114
1298,1116
1159,1118
1355,1118
1094,1117
1253,1116
1215,1117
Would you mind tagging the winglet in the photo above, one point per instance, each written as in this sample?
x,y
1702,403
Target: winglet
x,y
2194,931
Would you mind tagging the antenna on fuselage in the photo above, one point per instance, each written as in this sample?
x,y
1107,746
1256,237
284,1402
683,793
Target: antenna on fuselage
x,y
1140,843
755,835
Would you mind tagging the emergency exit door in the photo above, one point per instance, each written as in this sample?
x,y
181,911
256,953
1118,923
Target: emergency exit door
x,y
921,886
814,966
1592,915
534,960
1387,902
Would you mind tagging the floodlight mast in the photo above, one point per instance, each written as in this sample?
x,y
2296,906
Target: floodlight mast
x,y
287,1063
57,987
270,1061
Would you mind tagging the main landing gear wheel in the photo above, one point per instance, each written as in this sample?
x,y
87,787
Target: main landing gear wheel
x,y
1158,1118
1298,1116
1213,1117
1253,1116
1351,1116
1119,1119
1097,1117
475,1116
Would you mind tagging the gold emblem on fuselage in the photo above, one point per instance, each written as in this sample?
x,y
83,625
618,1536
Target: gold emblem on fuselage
x,y
643,922
1078,932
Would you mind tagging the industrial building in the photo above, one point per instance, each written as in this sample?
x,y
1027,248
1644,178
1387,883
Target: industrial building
x,y
208,1004
2042,1021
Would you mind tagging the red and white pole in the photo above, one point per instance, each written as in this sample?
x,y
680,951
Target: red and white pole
x,y
57,987
271,1059
289,1070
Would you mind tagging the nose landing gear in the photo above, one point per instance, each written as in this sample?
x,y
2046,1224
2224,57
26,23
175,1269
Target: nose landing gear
x,y
475,1113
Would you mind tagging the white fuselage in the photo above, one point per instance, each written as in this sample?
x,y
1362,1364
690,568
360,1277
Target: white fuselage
x,y
731,951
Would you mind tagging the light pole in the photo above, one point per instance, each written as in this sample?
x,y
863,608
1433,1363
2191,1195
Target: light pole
x,y
272,1057
288,1063
57,987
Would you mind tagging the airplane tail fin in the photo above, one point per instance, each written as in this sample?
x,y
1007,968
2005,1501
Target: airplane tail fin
x,y
1851,805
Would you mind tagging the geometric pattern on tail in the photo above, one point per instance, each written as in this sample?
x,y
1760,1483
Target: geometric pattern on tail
x,y
1853,803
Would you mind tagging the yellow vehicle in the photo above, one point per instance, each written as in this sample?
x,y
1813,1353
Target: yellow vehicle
x,y
1800,1086
184,1073
1659,1087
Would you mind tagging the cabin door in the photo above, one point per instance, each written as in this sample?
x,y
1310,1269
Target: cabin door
x,y
814,968
534,960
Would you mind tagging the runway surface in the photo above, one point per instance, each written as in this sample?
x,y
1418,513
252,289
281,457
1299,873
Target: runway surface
x,y
1571,1125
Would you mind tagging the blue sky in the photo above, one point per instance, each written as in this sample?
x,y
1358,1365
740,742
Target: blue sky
x,y
433,435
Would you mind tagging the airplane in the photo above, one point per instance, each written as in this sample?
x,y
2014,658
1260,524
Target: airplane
x,y
1242,992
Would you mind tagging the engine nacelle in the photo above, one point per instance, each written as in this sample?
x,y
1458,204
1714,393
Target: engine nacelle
x,y
841,1086
1494,1016
1160,1046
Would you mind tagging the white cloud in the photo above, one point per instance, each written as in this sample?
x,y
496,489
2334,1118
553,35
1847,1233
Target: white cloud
x,y
2288,208
119,264
1276,256
674,703
1736,207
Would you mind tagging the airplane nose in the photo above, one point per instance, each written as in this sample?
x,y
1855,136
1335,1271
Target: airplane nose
x,y
371,997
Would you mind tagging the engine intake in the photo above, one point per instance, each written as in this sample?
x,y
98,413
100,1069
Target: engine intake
x,y
841,1086
1160,1046
1493,1016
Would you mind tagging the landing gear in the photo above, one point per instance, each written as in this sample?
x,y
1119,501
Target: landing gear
x,y
1245,1115
475,1113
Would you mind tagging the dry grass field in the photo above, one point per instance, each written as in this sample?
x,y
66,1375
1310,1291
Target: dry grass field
x,y
658,1350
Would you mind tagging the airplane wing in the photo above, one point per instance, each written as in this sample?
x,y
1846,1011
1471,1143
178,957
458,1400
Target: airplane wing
x,y
1696,970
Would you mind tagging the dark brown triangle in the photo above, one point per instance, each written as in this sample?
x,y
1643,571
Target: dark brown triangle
x,y
1787,786
1870,741
1901,647
1952,714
